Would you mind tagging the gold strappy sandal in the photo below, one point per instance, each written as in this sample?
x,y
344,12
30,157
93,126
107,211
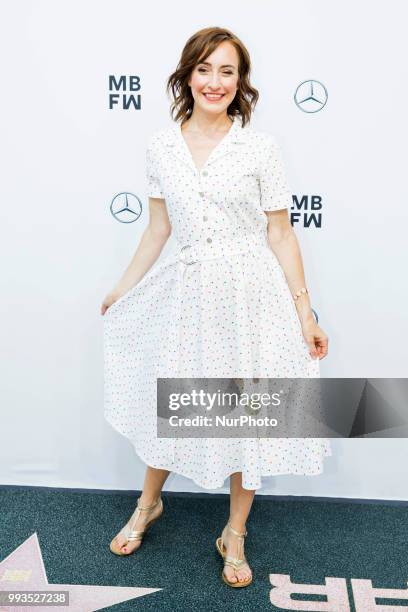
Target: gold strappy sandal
x,y
128,531
234,562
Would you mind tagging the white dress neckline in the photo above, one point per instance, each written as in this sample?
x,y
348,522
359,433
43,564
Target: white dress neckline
x,y
224,140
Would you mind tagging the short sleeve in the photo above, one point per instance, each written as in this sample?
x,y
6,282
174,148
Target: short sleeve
x,y
154,189
274,187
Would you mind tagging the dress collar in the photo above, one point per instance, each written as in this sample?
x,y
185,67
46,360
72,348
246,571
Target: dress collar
x,y
231,142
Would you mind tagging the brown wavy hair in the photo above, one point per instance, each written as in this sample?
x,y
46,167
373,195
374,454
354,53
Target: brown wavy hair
x,y
198,47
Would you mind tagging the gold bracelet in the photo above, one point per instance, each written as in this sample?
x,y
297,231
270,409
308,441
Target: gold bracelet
x,y
299,293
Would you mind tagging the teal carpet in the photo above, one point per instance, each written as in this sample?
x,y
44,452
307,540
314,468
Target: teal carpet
x,y
306,539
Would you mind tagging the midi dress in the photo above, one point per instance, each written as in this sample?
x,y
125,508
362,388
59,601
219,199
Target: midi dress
x,y
218,305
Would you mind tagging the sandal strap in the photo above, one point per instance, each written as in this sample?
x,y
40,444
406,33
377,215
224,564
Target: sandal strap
x,y
235,563
142,509
237,533
135,535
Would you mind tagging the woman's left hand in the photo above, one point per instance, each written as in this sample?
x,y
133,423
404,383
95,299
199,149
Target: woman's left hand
x,y
315,338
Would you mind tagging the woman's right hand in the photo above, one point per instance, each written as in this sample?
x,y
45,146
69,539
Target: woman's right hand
x,y
110,299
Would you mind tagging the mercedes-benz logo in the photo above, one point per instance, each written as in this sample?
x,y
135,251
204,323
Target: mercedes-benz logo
x,y
310,96
126,207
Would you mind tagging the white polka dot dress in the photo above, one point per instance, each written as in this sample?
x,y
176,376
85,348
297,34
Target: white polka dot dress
x,y
218,306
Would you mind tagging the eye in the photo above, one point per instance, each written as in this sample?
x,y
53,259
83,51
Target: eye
x,y
227,72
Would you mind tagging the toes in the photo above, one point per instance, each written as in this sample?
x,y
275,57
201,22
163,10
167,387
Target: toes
x,y
118,541
230,575
244,575
130,546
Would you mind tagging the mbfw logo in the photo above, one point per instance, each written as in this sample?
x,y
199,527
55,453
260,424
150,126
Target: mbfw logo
x,y
126,207
126,98
335,592
310,96
307,211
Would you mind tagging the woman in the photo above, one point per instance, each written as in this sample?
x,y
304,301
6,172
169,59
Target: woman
x,y
231,302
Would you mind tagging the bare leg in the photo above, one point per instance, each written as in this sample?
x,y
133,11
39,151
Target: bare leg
x,y
240,505
152,486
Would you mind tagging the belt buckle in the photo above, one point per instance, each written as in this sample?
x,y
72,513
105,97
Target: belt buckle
x,y
188,263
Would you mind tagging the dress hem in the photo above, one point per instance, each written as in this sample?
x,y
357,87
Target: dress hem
x,y
263,473
186,474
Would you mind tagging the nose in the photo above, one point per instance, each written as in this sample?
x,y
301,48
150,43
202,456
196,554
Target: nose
x,y
214,81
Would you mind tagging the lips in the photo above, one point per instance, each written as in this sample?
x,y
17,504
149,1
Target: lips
x,y
213,97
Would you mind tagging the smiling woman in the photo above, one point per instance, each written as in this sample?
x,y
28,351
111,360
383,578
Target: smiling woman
x,y
214,62
222,306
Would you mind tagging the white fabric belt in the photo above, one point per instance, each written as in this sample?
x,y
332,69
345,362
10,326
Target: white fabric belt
x,y
202,250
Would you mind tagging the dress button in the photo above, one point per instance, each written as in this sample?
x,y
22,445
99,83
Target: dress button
x,y
209,240
205,218
204,173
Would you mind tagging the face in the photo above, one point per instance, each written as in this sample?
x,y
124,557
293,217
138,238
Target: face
x,y
214,82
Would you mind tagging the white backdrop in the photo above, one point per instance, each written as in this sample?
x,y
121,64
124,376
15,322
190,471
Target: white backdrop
x,y
65,155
